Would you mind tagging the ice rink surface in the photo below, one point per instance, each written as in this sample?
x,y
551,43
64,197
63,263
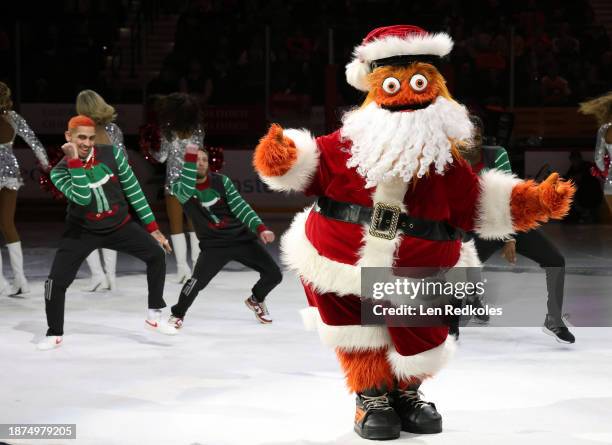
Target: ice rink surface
x,y
226,379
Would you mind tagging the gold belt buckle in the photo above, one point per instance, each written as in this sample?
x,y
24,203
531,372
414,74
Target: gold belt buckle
x,y
381,215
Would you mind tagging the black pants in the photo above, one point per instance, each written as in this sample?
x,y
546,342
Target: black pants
x,y
77,243
212,259
537,247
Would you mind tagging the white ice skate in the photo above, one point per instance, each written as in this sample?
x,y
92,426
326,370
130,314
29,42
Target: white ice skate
x,y
19,288
183,273
112,282
20,284
110,262
179,245
50,342
4,286
98,278
97,283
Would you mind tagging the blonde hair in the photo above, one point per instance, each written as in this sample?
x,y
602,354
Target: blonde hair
x,y
600,107
5,97
91,104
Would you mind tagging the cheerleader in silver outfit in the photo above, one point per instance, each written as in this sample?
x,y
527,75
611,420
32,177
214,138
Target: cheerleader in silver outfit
x,y
91,104
180,122
603,148
601,109
11,125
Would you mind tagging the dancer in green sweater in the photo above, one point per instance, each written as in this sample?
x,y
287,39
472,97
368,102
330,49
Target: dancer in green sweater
x,y
99,186
228,229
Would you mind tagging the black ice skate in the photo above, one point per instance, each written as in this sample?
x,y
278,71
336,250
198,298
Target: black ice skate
x,y
452,321
453,328
557,329
375,419
417,416
476,302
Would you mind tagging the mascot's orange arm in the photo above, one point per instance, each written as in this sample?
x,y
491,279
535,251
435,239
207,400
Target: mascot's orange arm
x,y
275,154
532,203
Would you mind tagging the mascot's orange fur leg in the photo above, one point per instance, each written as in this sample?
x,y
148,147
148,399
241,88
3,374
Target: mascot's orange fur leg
x,y
366,369
275,154
532,203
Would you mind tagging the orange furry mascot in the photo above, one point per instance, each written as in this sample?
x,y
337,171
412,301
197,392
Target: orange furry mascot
x,y
393,192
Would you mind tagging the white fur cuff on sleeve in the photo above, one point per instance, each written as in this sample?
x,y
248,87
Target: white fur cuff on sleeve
x,y
494,213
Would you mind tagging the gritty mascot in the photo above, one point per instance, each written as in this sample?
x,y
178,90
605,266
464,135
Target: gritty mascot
x,y
392,191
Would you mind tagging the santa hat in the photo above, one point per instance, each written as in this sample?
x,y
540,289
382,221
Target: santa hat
x,y
395,45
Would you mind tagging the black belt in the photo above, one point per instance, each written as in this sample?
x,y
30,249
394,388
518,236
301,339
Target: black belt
x,y
385,220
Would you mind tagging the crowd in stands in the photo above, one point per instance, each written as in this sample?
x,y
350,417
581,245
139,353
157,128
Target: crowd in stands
x,y
53,38
561,54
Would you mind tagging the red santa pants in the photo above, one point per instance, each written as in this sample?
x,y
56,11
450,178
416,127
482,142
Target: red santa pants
x,y
375,356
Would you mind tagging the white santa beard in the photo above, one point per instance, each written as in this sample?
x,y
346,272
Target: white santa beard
x,y
388,144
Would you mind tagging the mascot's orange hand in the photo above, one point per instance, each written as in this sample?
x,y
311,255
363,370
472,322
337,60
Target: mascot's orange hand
x,y
275,154
556,195
533,203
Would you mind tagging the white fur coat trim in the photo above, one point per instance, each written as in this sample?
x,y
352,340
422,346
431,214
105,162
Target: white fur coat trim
x,y
494,217
348,338
424,364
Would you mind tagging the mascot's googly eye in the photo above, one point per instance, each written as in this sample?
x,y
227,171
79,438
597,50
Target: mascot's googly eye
x,y
418,82
391,85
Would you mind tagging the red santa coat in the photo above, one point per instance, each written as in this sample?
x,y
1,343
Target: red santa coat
x,y
328,254
452,198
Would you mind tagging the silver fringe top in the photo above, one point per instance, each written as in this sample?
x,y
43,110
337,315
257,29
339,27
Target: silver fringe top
x,y
601,148
10,177
173,152
116,136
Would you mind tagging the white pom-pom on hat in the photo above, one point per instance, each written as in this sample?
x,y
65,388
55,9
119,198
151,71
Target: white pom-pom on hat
x,y
356,74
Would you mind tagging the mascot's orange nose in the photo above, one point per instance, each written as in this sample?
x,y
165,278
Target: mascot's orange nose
x,y
405,88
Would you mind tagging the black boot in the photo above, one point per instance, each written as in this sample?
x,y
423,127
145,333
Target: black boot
x,y
453,328
557,329
476,302
417,416
452,321
375,419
